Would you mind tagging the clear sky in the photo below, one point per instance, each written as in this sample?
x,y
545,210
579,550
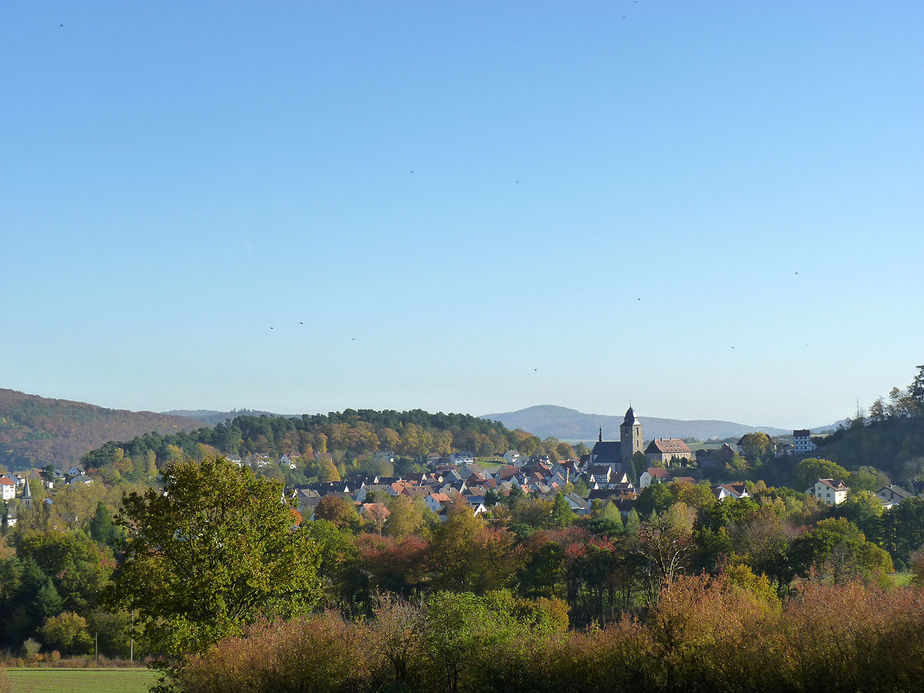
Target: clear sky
x,y
713,209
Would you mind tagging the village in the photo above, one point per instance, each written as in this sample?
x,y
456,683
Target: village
x,y
614,472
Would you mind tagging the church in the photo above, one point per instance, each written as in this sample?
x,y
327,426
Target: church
x,y
617,454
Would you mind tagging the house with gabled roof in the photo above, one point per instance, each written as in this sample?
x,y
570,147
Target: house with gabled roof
x,y
374,513
7,488
600,474
829,491
511,457
506,472
892,495
437,501
715,457
668,451
653,475
734,490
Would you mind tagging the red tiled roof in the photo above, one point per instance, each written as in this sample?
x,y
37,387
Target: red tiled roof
x,y
668,446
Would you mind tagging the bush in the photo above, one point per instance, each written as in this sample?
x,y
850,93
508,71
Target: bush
x,y
30,649
68,633
318,654
727,633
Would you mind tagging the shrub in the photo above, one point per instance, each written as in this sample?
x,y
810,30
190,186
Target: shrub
x,y
68,633
30,649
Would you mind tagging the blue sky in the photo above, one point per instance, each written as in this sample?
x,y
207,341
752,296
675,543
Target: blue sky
x,y
471,206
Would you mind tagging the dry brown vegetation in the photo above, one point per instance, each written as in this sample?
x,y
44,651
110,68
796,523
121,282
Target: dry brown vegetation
x,y
705,634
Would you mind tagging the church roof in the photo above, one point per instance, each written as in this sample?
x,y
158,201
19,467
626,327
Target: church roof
x,y
606,452
630,417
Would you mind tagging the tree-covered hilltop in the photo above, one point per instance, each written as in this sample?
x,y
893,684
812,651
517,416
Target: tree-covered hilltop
x,y
326,446
36,431
890,438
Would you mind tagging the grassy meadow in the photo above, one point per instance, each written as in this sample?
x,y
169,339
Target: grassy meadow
x,y
47,680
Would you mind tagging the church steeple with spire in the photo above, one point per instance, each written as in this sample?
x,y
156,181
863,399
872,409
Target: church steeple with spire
x,y
630,436
26,499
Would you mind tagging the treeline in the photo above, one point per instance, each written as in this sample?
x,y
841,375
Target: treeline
x,y
602,565
52,583
347,439
705,634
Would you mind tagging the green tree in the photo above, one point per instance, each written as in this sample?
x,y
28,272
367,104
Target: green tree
x,y
327,471
813,468
67,632
867,478
755,446
639,465
633,523
212,551
77,566
466,555
916,391
863,509
404,518
562,515
103,530
836,548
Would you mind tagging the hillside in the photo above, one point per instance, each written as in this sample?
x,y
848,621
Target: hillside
x,y
894,445
35,431
572,425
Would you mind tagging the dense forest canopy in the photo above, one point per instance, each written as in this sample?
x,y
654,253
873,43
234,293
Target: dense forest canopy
x,y
326,445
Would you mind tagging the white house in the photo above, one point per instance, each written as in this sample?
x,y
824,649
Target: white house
x,y
733,490
511,457
653,475
829,491
7,488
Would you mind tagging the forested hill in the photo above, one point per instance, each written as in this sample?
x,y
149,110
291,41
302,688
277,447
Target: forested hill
x,y
895,445
35,431
347,440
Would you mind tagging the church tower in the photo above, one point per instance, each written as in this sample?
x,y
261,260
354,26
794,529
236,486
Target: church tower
x,y
630,436
26,499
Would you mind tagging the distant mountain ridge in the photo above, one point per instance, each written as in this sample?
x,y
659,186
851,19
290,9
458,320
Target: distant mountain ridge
x,y
572,425
35,431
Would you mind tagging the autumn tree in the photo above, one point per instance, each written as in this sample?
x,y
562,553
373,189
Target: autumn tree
x,y
755,446
466,555
211,551
337,510
666,542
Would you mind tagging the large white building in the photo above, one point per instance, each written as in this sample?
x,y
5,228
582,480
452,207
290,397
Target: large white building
x,y
802,441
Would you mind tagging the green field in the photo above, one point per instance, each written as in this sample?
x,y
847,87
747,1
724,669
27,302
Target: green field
x,y
43,680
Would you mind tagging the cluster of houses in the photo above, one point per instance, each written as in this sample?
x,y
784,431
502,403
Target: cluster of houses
x,y
16,492
605,474
447,482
